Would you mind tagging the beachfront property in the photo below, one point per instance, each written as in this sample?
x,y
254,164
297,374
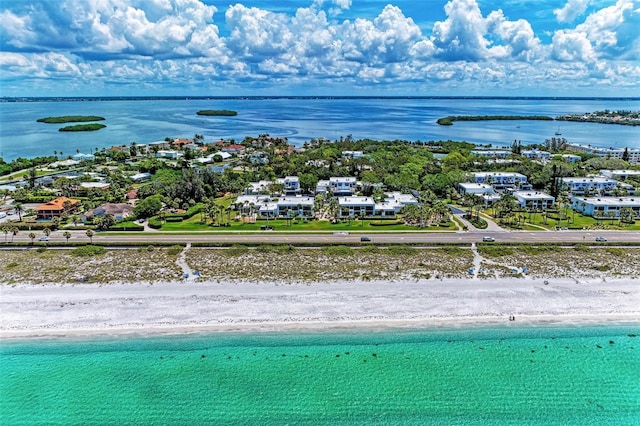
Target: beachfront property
x,y
55,208
535,154
605,206
118,210
491,153
632,153
394,202
600,185
534,199
620,174
266,206
290,186
353,206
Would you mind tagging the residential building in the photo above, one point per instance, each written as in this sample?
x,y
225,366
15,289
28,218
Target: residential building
x,y
502,180
535,154
620,174
632,153
571,158
169,154
534,199
393,203
342,185
486,192
118,210
83,157
55,208
233,149
160,145
600,185
291,185
604,206
491,153
356,206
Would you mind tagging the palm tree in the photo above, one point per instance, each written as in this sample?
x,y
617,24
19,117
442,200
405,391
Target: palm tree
x,y
5,229
19,208
46,231
32,236
90,235
14,232
67,235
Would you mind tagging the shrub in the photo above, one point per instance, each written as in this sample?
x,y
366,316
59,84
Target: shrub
x,y
402,250
41,249
495,250
268,248
453,251
338,250
88,251
369,248
12,265
155,222
175,250
236,250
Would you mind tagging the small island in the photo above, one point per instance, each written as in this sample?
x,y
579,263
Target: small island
x,y
82,127
70,119
448,121
217,112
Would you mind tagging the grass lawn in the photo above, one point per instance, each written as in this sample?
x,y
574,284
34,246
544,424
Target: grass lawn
x,y
195,224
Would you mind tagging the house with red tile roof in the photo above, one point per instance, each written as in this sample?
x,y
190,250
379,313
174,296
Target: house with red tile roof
x,y
55,208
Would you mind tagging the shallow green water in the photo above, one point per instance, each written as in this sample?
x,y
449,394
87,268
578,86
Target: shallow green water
x,y
506,375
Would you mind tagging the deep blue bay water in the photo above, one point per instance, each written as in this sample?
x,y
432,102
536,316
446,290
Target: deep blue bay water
x,y
301,119
547,375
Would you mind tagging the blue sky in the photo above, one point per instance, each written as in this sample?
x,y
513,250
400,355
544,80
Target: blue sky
x,y
320,47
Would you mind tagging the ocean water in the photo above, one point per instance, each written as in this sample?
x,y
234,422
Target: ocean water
x,y
470,376
302,119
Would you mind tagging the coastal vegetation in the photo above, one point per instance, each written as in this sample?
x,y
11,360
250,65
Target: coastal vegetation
x,y
621,117
448,121
242,263
217,112
70,119
82,127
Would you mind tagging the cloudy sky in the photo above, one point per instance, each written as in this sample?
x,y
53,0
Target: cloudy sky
x,y
320,47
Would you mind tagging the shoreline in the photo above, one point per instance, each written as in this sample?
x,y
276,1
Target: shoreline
x,y
181,308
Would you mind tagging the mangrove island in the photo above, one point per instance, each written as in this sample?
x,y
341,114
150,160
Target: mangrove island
x,y
70,119
82,127
448,121
217,112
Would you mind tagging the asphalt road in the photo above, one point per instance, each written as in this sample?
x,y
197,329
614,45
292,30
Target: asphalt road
x,y
380,238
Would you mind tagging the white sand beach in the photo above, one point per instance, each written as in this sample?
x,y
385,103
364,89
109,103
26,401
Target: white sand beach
x,y
48,310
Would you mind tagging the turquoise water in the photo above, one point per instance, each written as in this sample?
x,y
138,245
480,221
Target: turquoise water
x,y
506,375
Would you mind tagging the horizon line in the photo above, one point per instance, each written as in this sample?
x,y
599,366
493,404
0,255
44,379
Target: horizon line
x,y
300,97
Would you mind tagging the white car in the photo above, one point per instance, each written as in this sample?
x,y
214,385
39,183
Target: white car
x,y
44,238
488,239
601,239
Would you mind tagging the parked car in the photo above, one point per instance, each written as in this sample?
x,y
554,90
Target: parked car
x,y
601,239
365,238
44,238
488,239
